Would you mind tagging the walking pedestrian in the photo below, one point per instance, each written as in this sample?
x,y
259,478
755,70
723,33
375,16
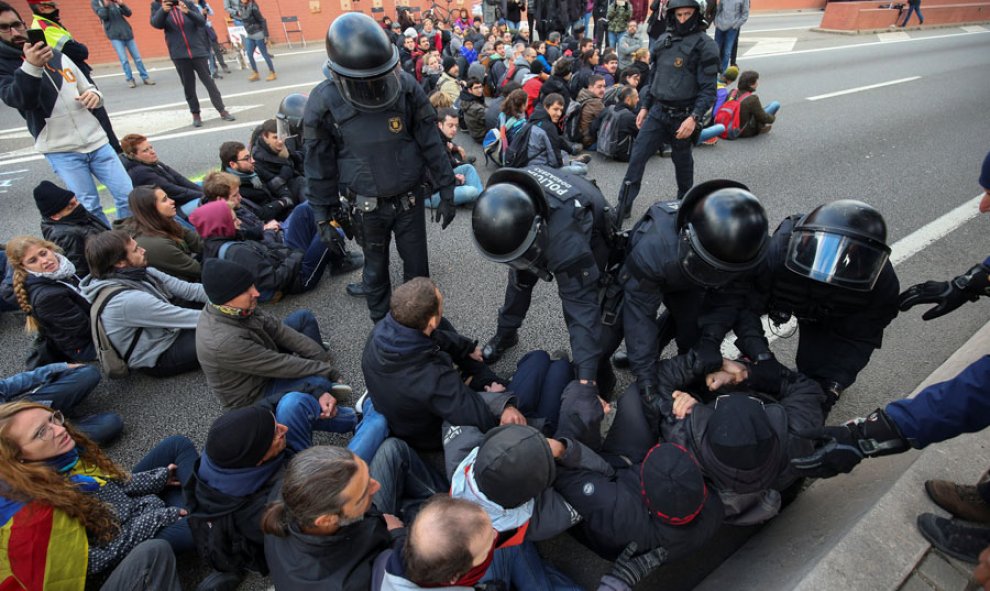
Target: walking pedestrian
x,y
257,37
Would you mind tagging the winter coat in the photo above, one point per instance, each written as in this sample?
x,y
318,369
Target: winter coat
x,y
604,73
280,174
618,17
275,267
752,117
62,312
176,186
388,574
168,256
70,234
473,112
521,70
532,86
545,144
413,382
731,14
589,112
556,85
239,356
254,22
628,44
185,34
266,204
147,305
449,86
114,18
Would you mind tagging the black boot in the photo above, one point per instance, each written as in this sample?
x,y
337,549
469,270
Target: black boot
x,y
498,345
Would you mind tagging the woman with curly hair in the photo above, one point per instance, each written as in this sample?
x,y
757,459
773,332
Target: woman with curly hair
x,y
169,247
61,493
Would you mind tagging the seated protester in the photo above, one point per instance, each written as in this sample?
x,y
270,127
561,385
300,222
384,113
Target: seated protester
x,y
641,63
235,159
744,440
145,318
627,77
468,182
47,290
65,223
615,128
169,247
451,543
8,301
472,109
495,106
447,82
607,68
431,72
532,83
323,532
61,492
541,51
280,168
251,358
467,50
275,267
143,166
409,370
408,55
754,119
62,387
150,565
553,51
439,100
558,82
722,90
223,186
546,146
591,105
583,70
479,67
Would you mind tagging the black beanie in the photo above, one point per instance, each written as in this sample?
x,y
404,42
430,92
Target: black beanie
x,y
51,198
448,63
739,432
240,438
514,465
225,280
673,488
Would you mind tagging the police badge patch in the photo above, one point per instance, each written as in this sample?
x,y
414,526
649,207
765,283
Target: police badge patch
x,y
395,124
678,62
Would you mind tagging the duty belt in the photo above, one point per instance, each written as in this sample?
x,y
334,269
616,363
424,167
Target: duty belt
x,y
676,111
402,201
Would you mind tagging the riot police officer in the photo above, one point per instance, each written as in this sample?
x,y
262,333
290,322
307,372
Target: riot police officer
x,y
683,67
370,136
546,223
692,256
830,270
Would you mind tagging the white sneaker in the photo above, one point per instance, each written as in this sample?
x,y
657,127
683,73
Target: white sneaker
x,y
359,405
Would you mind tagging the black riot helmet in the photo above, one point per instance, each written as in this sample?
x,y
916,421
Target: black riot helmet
x,y
509,222
689,26
363,61
723,232
289,118
843,243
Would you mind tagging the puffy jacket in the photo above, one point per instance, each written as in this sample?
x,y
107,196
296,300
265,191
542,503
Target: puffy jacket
x,y
62,312
592,106
282,175
275,267
71,232
618,16
266,204
185,33
473,112
114,18
177,187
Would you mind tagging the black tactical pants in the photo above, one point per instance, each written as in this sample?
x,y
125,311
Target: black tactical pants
x,y
518,295
375,233
660,128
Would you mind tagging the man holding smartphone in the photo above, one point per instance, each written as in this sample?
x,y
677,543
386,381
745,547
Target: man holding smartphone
x,y
56,100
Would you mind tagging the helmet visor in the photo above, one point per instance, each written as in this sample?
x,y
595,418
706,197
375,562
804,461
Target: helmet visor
x,y
534,259
835,259
371,94
287,127
698,270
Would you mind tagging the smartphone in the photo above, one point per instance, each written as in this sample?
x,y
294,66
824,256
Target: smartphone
x,y
36,36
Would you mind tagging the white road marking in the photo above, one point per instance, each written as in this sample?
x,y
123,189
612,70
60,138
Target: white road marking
x,y
974,29
862,88
744,34
168,69
861,45
14,171
892,36
770,45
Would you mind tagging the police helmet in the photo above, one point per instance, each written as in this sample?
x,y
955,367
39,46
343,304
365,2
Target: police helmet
x,y
509,222
363,61
723,232
289,118
691,24
843,243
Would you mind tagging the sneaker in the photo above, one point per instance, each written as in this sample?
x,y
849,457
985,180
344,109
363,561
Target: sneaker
x,y
148,82
226,116
197,120
356,290
953,538
961,500
359,405
216,76
254,77
132,83
271,76
341,391
710,141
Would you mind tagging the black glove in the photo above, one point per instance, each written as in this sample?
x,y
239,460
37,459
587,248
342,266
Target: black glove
x,y
768,376
949,295
652,405
446,210
708,357
343,221
330,235
629,570
840,449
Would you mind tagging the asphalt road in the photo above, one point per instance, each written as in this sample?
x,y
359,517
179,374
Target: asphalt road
x,y
912,149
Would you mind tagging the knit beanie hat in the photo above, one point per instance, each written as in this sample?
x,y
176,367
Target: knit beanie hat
x,y
213,220
51,198
739,433
241,438
536,67
225,280
984,175
730,74
514,465
448,63
673,488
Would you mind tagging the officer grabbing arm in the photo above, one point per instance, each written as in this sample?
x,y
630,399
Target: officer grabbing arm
x,y
370,133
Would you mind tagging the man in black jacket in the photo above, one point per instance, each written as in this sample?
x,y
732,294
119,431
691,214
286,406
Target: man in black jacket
x,y
141,162
559,81
65,223
276,164
237,160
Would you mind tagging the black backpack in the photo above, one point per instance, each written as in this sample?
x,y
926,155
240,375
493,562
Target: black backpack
x,y
610,144
517,156
572,121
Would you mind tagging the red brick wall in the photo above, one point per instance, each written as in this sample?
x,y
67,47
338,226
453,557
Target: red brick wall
x,y
865,16
777,5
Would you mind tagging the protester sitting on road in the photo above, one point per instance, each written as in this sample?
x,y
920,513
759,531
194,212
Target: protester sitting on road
x,y
146,318
607,68
410,372
546,146
468,182
641,63
494,109
447,83
622,129
62,387
250,357
439,100
472,108
532,84
276,164
722,90
65,223
591,106
513,115
226,187
143,166
235,159
583,69
754,118
62,494
170,248
558,82
47,290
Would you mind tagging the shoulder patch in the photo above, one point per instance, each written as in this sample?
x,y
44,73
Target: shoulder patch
x,y
588,489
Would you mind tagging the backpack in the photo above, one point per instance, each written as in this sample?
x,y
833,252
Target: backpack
x,y
572,121
113,364
517,155
497,141
609,143
728,115
510,73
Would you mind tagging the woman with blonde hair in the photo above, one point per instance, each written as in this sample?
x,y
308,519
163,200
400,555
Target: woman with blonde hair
x,y
169,247
61,493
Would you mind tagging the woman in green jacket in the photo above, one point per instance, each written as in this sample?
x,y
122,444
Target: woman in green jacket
x,y
169,247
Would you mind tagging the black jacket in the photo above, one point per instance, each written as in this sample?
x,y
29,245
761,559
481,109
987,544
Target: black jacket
x,y
472,112
264,203
176,186
275,267
280,174
541,118
342,561
556,84
70,234
185,34
627,130
415,386
63,314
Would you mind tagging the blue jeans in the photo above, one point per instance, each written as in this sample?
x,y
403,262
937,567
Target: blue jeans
x,y
522,568
538,385
725,40
466,193
249,47
916,8
613,38
406,480
66,390
77,169
300,413
122,47
301,234
177,450
772,108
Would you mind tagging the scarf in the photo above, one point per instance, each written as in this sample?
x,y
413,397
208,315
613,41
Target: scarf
x,y
239,482
87,478
231,311
244,176
65,269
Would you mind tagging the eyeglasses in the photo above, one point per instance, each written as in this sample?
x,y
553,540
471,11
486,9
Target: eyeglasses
x,y
47,432
16,25
247,158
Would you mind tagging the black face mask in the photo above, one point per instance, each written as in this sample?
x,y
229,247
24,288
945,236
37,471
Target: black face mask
x,y
78,214
687,27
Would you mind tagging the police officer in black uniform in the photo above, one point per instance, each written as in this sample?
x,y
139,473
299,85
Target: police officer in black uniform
x,y
693,256
545,223
370,136
683,66
830,270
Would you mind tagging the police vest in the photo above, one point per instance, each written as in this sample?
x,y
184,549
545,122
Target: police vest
x,y
654,259
377,155
677,63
